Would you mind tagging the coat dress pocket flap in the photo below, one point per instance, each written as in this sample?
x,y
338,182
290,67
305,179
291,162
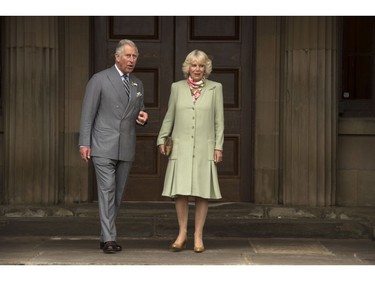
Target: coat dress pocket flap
x,y
168,145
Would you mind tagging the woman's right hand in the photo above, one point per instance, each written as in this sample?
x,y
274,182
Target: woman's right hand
x,y
162,149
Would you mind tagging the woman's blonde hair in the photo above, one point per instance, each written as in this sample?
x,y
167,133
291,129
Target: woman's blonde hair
x,y
199,56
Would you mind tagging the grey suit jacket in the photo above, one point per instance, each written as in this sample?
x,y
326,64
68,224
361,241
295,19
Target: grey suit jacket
x,y
108,119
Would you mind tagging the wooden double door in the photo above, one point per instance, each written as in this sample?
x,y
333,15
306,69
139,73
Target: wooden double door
x,y
163,44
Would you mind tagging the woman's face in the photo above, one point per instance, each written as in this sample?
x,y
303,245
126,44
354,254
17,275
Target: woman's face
x,y
196,71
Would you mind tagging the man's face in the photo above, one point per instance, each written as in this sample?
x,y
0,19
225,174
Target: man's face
x,y
127,60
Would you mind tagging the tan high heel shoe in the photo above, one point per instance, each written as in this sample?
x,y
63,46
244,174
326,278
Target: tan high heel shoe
x,y
176,247
199,249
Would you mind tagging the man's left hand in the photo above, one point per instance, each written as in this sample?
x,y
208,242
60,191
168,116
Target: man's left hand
x,y
142,118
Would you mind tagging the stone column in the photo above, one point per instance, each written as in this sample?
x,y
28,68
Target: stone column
x,y
76,74
30,94
309,111
267,114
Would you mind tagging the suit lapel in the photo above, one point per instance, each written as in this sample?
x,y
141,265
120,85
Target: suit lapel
x,y
118,85
132,98
206,88
132,88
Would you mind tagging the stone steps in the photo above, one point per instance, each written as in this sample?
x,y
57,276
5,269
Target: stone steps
x,y
149,219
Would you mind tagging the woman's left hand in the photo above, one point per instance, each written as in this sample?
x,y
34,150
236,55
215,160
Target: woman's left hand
x,y
218,156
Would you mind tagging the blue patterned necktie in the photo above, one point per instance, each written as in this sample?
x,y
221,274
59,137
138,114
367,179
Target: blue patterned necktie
x,y
125,80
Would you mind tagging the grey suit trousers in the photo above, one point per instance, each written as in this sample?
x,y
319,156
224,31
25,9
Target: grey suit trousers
x,y
111,178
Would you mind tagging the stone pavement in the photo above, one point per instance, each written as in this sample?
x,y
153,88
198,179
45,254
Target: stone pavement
x,y
235,235
83,250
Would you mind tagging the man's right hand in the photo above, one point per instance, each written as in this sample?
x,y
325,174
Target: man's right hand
x,y
85,152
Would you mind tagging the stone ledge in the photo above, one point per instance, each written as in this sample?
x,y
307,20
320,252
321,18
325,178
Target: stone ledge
x,y
233,210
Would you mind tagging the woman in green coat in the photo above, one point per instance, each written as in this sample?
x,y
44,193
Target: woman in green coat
x,y
195,120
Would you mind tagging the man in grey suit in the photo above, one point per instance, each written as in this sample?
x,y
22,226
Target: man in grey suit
x,y
112,106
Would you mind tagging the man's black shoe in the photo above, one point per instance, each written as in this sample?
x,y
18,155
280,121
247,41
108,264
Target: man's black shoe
x,y
118,248
109,247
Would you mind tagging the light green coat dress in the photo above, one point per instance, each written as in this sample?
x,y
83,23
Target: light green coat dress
x,y
196,129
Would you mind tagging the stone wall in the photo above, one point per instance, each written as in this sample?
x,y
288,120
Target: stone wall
x,y
356,162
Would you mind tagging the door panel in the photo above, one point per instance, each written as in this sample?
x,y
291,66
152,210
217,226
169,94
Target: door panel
x,y
163,44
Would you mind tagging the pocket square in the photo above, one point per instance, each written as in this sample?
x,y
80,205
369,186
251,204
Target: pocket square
x,y
139,94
